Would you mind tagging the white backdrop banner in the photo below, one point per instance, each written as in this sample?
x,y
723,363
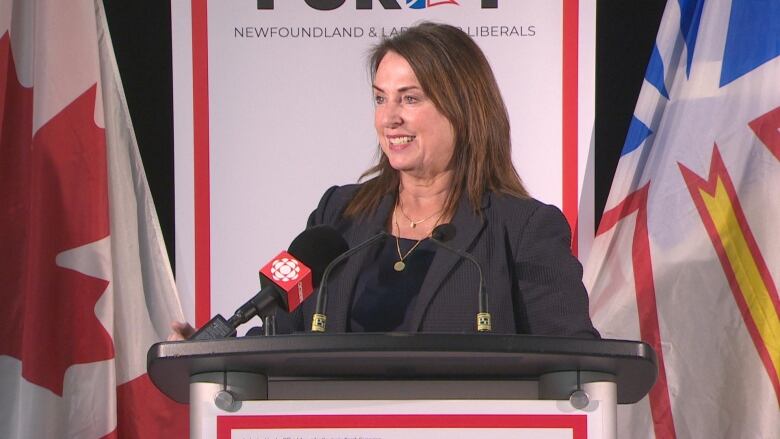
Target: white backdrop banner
x,y
272,105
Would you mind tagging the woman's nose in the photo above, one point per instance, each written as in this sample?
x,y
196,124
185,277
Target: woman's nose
x,y
391,116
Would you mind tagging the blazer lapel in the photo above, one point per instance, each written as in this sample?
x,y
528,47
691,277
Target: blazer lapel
x,y
468,225
341,286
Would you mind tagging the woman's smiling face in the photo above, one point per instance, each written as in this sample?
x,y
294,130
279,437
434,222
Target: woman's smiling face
x,y
416,138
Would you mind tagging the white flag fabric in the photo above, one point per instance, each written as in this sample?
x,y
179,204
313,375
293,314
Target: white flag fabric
x,y
687,255
86,283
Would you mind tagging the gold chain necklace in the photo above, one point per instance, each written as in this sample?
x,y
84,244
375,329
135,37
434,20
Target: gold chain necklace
x,y
413,223
400,265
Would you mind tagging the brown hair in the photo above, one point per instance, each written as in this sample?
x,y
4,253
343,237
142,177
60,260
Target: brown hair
x,y
456,76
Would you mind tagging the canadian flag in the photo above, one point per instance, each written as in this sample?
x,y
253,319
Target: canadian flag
x,y
85,283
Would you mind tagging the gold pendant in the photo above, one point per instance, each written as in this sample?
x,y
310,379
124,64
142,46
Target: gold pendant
x,y
399,266
412,224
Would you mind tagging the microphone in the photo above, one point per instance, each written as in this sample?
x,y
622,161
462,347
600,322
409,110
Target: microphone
x,y
319,318
286,281
440,235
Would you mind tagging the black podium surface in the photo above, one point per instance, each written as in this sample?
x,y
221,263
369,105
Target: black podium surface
x,y
404,356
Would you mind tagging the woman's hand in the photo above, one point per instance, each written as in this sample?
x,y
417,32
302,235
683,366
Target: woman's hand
x,y
181,331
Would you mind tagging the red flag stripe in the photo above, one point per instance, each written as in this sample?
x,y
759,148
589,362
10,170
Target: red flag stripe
x,y
647,307
720,239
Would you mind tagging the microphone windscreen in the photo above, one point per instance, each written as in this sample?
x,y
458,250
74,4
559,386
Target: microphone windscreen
x,y
316,247
443,232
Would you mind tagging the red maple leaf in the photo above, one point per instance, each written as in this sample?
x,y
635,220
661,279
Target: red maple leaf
x,y
53,197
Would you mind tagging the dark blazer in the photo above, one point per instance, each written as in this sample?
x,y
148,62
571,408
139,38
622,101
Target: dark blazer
x,y
533,280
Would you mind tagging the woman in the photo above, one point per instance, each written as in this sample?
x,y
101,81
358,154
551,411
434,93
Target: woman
x,y
445,157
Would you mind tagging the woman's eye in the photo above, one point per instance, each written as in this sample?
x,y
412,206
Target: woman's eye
x,y
410,99
379,100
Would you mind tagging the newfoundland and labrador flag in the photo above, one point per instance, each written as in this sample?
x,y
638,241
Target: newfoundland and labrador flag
x,y
687,255
85,283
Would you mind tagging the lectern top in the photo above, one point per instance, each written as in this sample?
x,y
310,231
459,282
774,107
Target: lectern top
x,y
404,356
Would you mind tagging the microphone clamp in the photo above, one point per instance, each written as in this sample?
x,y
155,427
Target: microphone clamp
x,y
318,322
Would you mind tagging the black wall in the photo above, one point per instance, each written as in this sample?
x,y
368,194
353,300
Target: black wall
x,y
625,34
141,32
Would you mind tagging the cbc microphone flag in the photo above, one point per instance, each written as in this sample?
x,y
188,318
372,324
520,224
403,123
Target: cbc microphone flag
x,y
85,282
687,255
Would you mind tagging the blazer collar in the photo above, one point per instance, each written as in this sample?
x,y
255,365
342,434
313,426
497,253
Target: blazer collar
x,y
468,226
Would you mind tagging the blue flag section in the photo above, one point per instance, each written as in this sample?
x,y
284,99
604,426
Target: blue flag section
x,y
686,256
753,37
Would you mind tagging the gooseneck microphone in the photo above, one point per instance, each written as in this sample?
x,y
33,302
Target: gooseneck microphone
x,y
319,319
286,281
440,235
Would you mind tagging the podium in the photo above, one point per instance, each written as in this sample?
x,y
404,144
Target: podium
x,y
222,376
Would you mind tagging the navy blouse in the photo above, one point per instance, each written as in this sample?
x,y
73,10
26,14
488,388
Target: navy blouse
x,y
383,298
